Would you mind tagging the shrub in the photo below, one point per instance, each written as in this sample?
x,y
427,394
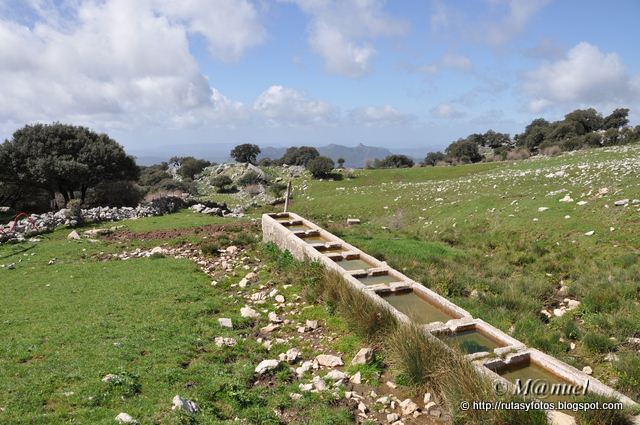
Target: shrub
x,y
222,183
250,178
320,166
395,161
553,150
277,189
190,167
209,248
115,194
601,416
518,155
628,369
254,189
74,210
598,343
246,152
433,158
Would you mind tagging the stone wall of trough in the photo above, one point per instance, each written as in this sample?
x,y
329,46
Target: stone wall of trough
x,y
512,350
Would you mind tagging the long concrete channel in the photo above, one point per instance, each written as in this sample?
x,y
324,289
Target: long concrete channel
x,y
493,352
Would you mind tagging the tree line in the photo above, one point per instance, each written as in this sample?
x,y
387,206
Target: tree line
x,y
579,129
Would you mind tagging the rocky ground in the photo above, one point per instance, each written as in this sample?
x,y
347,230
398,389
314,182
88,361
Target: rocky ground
x,y
276,310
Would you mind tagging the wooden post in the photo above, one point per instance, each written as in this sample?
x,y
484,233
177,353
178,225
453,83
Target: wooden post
x,y
286,198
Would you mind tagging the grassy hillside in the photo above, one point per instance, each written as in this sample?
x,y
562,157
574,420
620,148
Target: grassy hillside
x,y
497,240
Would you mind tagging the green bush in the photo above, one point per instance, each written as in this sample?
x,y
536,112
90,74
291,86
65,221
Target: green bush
x,y
209,249
320,166
628,369
222,183
598,343
250,178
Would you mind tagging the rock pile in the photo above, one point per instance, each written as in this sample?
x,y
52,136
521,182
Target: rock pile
x,y
39,223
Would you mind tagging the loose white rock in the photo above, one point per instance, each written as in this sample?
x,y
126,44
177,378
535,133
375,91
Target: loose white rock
x,y
125,418
329,360
364,356
266,365
249,312
184,404
225,322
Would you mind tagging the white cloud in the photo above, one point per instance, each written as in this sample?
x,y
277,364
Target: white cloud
x,y
439,17
229,26
341,32
448,61
379,116
519,13
119,62
585,76
286,106
446,110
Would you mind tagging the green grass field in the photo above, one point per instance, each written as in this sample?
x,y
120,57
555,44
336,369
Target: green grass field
x,y
152,321
475,234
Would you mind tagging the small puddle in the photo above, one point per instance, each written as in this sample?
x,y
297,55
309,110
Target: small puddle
x,y
471,341
355,264
416,308
376,280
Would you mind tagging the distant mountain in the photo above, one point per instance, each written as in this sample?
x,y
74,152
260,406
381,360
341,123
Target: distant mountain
x,y
353,156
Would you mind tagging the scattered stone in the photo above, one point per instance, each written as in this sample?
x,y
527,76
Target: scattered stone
x,y
305,387
621,203
225,322
392,417
336,375
273,317
353,221
566,198
243,282
269,328
555,417
125,418
304,367
221,341
329,360
587,370
295,396
279,298
291,356
266,365
73,236
318,383
611,357
581,203
391,385
559,312
356,378
590,233
184,404
427,398
364,356
362,407
11,266
249,312
407,406
110,377
311,324
543,209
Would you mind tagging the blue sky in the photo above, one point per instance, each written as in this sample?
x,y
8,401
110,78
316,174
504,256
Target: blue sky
x,y
399,74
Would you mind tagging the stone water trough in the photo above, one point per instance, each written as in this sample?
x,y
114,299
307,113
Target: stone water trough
x,y
493,352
